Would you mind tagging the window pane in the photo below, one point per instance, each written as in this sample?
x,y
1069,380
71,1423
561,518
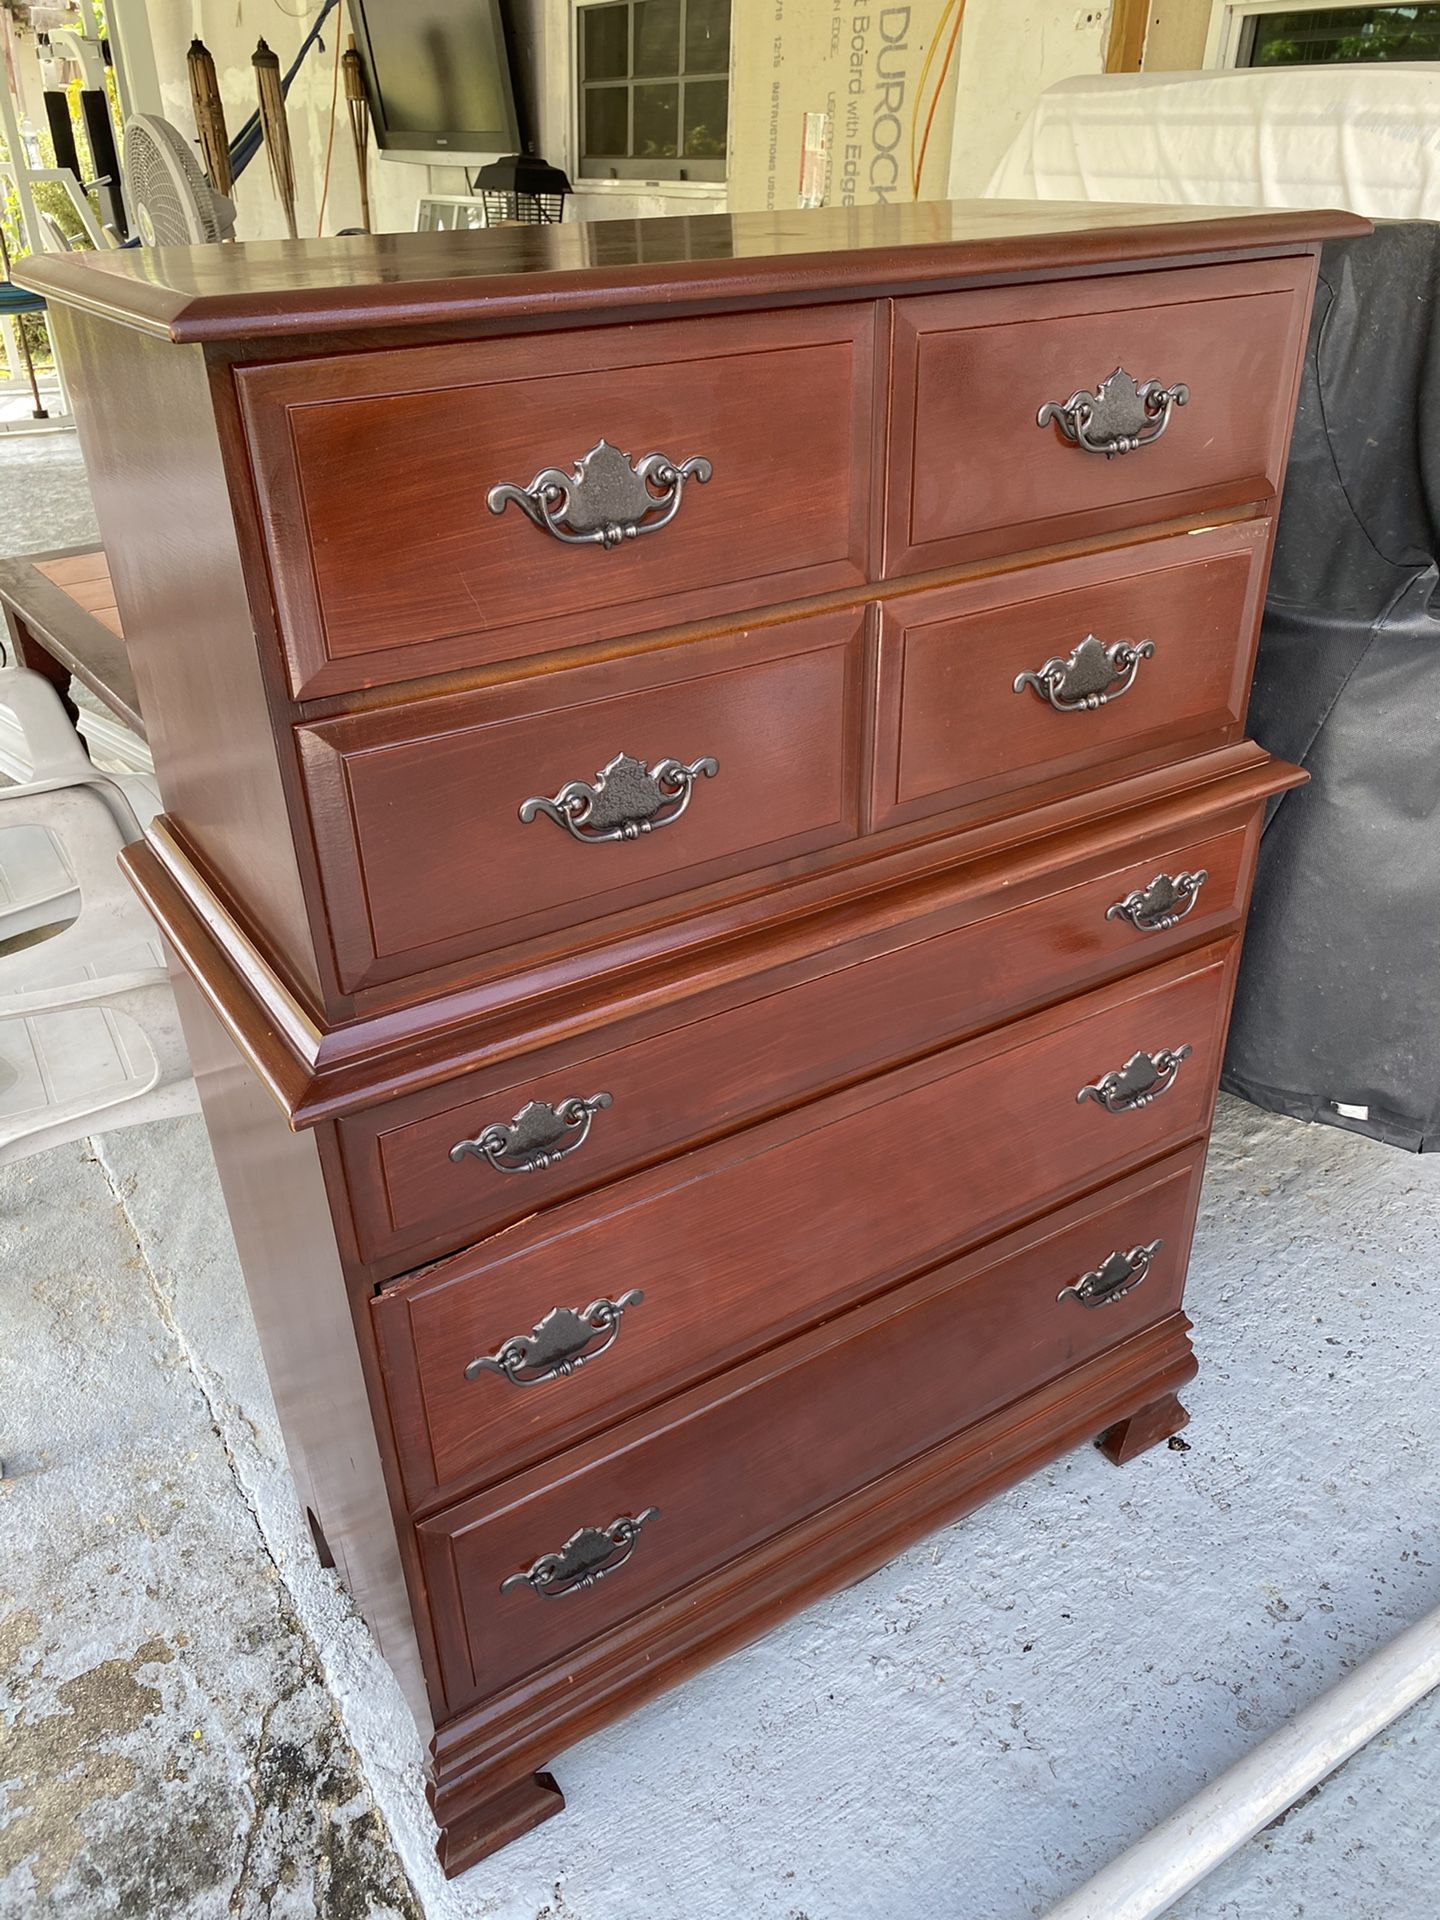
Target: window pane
x,y
607,117
657,36
605,42
657,121
706,112
1313,36
707,36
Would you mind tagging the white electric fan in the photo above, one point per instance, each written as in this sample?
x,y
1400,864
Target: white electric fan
x,y
174,205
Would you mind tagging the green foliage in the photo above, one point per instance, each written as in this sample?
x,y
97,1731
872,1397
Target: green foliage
x,y
1324,36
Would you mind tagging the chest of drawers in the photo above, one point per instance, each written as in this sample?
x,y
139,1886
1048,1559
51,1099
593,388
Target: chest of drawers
x,y
707,828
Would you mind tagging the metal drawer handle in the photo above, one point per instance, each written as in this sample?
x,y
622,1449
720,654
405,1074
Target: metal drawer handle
x,y
1092,676
560,1345
585,1558
1161,905
1118,417
1116,1276
626,799
530,1143
608,498
1143,1078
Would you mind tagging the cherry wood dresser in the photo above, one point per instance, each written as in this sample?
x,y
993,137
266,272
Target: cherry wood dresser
x,y
708,823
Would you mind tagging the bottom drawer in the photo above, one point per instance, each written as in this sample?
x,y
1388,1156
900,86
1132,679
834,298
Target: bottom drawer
x,y
521,1576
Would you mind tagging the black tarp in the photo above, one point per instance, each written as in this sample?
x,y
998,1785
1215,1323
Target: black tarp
x,y
1339,995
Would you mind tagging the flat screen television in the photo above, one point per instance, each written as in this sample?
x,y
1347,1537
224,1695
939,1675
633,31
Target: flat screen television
x,y
437,76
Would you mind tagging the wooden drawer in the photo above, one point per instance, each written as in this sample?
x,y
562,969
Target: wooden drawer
x,y
738,1244
973,474
425,848
993,955
732,1464
412,573
956,724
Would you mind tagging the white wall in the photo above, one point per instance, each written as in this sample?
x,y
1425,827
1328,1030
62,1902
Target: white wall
x,y
230,29
1010,52
1175,40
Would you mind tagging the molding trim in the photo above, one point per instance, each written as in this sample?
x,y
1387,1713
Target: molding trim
x,y
277,1035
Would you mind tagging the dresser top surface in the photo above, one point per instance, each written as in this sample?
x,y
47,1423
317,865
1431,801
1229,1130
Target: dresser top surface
x,y
271,289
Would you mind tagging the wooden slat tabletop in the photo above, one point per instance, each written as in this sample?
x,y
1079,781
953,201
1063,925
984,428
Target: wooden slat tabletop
x,y
61,606
85,577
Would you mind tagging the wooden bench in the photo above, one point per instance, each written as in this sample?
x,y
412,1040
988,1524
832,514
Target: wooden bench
x,y
61,620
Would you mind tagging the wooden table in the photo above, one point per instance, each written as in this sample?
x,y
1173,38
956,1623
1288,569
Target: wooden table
x,y
61,619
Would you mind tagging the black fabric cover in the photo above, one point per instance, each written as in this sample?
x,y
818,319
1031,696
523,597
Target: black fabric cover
x,y
1339,996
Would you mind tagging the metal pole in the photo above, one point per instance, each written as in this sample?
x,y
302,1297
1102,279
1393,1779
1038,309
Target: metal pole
x,y
1175,1856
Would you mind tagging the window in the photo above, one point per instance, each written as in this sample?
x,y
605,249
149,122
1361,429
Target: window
x,y
654,89
1273,35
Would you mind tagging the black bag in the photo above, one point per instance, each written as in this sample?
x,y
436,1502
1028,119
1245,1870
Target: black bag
x,y
1337,1017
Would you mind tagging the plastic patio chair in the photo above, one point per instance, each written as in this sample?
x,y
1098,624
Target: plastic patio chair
x,y
62,785
89,1036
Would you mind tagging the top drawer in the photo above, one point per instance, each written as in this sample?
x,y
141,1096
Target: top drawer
x,y
376,475
973,472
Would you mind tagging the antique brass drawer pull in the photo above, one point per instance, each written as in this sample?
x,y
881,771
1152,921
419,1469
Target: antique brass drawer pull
x,y
532,1140
1161,905
585,1558
1092,676
1143,1078
560,1345
1116,1276
626,799
1118,417
608,498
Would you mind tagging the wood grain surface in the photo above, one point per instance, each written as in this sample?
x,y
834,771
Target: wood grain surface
x,y
951,728
742,1242
733,1465
845,1005
266,294
424,854
791,1039
417,575
971,471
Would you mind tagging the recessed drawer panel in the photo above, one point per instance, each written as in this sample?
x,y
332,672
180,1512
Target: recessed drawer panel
x,y
506,1352
449,827
1083,667
537,1139
651,1507
685,468
974,472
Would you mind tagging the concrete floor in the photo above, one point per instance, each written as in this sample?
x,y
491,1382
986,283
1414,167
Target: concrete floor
x,y
17,405
197,1724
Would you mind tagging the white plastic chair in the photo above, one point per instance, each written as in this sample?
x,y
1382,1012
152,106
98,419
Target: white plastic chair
x,y
56,754
89,1036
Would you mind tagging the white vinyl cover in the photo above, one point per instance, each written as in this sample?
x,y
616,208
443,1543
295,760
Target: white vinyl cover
x,y
1362,137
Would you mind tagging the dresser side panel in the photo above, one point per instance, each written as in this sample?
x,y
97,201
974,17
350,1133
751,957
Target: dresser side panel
x,y
275,1194
156,467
